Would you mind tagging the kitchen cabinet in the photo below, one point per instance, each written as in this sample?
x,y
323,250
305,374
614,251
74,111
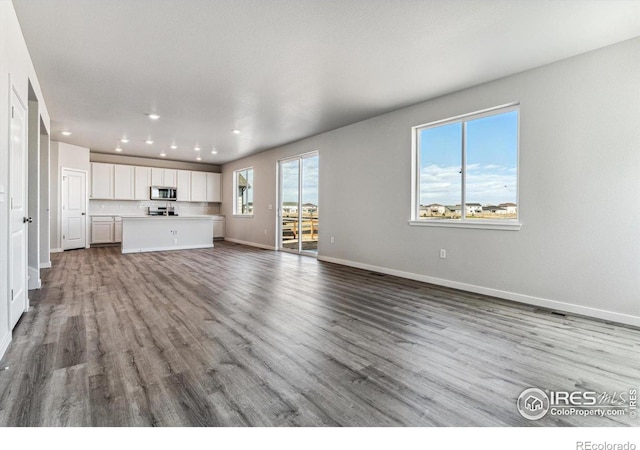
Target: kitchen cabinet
x,y
106,229
125,182
198,187
163,177
117,229
183,184
157,177
170,177
101,181
142,182
213,187
101,230
218,227
124,185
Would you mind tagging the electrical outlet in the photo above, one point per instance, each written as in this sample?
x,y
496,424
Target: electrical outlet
x,y
265,232
333,240
443,253
175,241
270,207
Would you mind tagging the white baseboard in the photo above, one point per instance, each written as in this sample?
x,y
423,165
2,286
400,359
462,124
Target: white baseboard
x,y
251,244
45,265
56,250
34,279
4,343
520,298
166,249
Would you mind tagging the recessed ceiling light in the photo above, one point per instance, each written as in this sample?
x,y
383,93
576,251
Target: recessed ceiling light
x,y
196,148
163,154
198,159
66,133
153,116
214,152
118,149
173,147
124,140
148,141
236,131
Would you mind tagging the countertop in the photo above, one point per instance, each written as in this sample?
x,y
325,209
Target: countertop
x,y
179,216
147,215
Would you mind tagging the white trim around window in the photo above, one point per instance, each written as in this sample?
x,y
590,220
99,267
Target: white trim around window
x,y
489,216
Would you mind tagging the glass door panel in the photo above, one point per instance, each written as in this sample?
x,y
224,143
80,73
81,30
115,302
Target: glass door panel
x,y
309,208
299,204
289,203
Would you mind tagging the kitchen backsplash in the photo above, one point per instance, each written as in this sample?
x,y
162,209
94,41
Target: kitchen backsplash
x,y
116,207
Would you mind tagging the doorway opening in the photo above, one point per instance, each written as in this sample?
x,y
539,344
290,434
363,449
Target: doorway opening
x,y
298,204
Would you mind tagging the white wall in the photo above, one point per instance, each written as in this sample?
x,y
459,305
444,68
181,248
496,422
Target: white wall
x,y
16,69
579,247
34,195
54,199
45,199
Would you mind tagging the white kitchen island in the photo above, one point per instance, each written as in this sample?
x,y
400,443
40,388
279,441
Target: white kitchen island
x,y
161,233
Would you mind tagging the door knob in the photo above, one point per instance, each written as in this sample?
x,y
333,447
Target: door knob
x,y
27,219
83,214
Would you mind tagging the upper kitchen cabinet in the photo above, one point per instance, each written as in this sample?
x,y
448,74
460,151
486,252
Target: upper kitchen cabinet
x,y
163,177
124,185
101,181
184,186
170,177
198,187
142,183
214,192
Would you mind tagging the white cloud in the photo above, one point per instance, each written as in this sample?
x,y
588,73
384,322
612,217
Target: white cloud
x,y
485,184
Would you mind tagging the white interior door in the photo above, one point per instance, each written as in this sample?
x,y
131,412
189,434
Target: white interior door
x,y
74,201
18,277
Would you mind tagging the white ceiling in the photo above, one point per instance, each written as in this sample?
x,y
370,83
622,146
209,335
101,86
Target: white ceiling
x,y
282,70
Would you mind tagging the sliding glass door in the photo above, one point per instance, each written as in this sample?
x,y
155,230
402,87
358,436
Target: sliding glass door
x,y
298,204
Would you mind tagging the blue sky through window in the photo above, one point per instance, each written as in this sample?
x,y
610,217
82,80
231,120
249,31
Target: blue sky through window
x,y
309,180
491,172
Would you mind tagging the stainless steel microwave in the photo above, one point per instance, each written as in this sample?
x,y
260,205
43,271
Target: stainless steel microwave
x,y
163,193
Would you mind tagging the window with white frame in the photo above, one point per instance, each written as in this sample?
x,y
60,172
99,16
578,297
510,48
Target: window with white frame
x,y
243,188
466,170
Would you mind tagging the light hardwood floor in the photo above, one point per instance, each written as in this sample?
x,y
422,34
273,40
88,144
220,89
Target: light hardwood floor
x,y
236,336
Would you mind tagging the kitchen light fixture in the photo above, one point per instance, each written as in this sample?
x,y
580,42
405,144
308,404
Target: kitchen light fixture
x,y
196,148
148,141
66,133
214,152
198,159
174,147
236,131
118,149
153,116
124,140
163,154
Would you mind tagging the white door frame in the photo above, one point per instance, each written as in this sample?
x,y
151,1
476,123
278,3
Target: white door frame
x,y
86,206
